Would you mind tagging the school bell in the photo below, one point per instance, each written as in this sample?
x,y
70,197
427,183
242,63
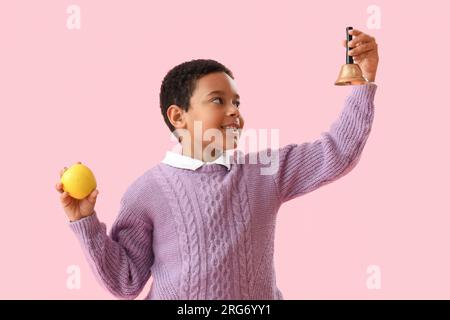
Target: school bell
x,y
351,73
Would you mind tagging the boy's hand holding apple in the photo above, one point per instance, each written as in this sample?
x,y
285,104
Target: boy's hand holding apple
x,y
78,191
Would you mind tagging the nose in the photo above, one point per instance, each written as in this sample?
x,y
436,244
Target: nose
x,y
233,111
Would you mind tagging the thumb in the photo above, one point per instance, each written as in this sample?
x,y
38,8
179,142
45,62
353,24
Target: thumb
x,y
93,196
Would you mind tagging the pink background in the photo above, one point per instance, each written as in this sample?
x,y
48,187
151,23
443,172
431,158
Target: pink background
x,y
91,95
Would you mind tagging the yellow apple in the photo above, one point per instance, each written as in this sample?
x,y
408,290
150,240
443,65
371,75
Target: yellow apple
x,y
78,181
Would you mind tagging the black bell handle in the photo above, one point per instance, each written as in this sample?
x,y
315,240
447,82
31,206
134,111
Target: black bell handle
x,y
348,59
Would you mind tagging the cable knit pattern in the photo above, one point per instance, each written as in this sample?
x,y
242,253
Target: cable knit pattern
x,y
188,235
217,238
209,233
242,218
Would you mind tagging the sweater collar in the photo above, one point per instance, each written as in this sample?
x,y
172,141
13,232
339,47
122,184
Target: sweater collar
x,y
184,162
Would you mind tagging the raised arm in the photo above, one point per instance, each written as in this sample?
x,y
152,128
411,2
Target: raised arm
x,y
308,166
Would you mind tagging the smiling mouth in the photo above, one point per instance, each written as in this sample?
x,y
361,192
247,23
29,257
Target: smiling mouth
x,y
231,128
231,125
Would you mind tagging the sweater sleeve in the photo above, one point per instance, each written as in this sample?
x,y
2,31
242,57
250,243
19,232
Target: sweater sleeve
x,y
308,166
121,261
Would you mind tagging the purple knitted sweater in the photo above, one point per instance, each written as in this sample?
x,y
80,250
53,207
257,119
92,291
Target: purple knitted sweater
x,y
209,233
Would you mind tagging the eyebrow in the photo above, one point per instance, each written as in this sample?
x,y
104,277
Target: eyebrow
x,y
221,92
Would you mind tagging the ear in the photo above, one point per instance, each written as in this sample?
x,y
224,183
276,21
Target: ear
x,y
176,116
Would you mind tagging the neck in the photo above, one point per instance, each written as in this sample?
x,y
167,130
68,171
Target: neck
x,y
200,155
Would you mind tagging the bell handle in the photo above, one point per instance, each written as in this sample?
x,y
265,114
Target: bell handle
x,y
348,59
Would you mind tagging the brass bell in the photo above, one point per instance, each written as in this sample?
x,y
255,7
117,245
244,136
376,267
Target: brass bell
x,y
351,73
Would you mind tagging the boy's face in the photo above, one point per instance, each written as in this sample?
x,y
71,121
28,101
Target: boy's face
x,y
213,111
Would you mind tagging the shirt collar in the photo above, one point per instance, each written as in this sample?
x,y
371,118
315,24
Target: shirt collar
x,y
184,162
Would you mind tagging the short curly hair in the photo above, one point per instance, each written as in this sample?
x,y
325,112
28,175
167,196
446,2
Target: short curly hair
x,y
179,83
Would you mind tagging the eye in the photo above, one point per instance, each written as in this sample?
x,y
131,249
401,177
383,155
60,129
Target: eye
x,y
217,99
236,103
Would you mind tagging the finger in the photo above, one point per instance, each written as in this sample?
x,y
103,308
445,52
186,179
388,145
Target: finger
x,y
65,199
62,171
362,49
354,32
358,59
59,187
93,196
344,43
363,38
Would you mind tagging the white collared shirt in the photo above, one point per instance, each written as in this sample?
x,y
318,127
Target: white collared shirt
x,y
184,162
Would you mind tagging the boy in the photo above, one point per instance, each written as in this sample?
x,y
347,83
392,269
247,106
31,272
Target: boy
x,y
200,223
